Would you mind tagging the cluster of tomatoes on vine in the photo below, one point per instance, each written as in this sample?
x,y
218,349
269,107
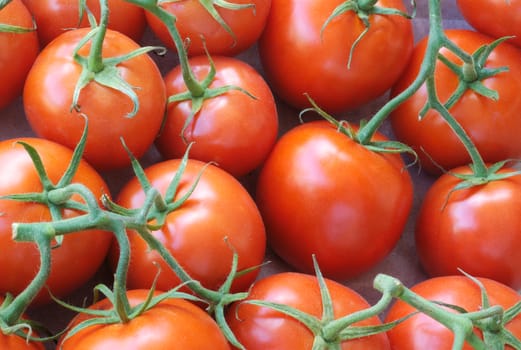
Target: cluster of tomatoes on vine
x,y
332,197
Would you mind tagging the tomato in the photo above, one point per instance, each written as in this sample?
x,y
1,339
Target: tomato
x,y
234,130
15,342
218,216
297,59
172,324
476,229
259,327
494,17
80,255
54,17
321,193
17,51
422,332
195,22
48,95
493,126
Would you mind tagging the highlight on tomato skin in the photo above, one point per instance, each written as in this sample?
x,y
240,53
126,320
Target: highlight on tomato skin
x,y
17,51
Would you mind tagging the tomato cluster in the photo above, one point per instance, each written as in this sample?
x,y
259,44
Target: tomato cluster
x,y
264,160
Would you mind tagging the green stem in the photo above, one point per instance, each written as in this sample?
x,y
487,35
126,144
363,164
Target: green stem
x,y
14,311
196,89
95,59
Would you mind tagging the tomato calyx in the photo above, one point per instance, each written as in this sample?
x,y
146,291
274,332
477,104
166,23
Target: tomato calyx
x,y
388,146
473,71
105,71
490,319
364,9
329,332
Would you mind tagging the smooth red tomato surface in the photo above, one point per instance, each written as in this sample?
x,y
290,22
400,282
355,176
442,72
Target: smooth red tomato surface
x,y
53,17
17,51
218,216
194,22
497,18
15,342
321,193
493,126
80,255
172,324
48,95
421,332
477,229
234,130
259,328
298,60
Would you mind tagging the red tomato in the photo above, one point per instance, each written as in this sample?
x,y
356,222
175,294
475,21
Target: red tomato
x,y
496,18
493,126
194,22
234,130
80,255
477,229
54,17
423,332
298,60
17,51
172,324
15,342
321,193
200,234
259,328
48,95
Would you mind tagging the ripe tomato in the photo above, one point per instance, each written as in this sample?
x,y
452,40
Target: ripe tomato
x,y
423,332
172,324
477,230
195,22
218,216
495,18
493,126
80,255
233,129
48,96
321,193
54,17
297,59
259,328
17,51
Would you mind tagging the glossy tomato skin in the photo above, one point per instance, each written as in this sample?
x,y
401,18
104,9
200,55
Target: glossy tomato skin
x,y
259,328
17,51
321,193
477,230
233,130
15,342
422,332
218,216
53,17
80,255
172,324
298,60
495,18
194,22
493,126
48,95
